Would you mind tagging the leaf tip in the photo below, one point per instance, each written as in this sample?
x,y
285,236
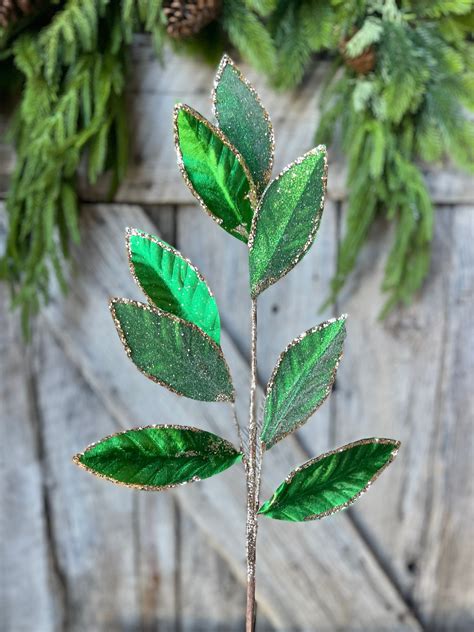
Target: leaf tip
x,y
178,107
225,60
112,303
321,149
77,459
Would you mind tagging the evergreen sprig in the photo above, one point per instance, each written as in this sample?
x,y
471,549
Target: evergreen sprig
x,y
410,108
73,64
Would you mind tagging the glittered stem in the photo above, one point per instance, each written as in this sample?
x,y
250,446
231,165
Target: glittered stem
x,y
253,473
239,434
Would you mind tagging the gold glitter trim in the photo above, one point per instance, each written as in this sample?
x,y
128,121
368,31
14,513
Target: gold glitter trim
x,y
241,230
76,459
160,312
226,60
396,445
135,232
263,285
271,381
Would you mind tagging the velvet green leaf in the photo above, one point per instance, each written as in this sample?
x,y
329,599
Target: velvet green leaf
x,y
172,352
214,171
302,379
171,282
244,120
330,482
287,219
158,457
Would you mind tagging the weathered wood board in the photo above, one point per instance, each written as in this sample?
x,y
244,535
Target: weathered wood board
x,y
98,353
78,553
28,583
411,377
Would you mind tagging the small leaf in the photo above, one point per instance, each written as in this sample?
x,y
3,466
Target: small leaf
x,y
171,282
302,379
214,171
287,219
244,120
158,457
330,482
172,352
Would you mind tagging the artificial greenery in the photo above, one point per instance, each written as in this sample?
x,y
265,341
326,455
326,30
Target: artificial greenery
x,y
410,108
175,338
397,95
71,59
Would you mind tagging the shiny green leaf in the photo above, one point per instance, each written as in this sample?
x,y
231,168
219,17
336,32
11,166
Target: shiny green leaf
x,y
302,379
214,171
157,457
171,282
330,482
244,120
287,219
172,352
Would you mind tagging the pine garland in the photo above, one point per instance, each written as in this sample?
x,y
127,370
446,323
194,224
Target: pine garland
x,y
411,107
398,90
74,72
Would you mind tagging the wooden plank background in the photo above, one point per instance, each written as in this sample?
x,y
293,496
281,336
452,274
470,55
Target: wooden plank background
x,y
79,554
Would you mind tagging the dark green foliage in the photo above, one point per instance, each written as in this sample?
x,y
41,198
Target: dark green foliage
x,y
72,60
74,76
410,107
73,65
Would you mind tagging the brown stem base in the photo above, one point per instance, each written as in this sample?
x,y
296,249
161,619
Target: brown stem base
x,y
251,612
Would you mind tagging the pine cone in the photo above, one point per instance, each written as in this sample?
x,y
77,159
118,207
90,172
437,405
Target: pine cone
x,y
363,63
13,10
187,17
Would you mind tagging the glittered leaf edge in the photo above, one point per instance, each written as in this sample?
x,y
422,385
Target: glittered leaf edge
x,y
135,232
186,323
226,60
396,446
154,488
242,233
271,381
263,285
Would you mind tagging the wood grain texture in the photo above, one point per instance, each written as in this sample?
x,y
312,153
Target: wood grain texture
x,y
29,585
355,593
153,89
93,524
409,378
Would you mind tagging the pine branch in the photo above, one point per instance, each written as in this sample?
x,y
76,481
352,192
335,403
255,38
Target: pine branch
x,y
66,108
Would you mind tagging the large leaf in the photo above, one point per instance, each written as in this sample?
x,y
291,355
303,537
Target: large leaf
x,y
214,171
287,219
172,352
171,282
330,482
244,120
302,379
158,457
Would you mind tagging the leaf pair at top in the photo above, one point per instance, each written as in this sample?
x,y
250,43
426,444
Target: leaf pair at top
x,y
228,169
175,339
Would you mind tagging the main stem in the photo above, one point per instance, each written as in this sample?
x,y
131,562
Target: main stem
x,y
253,474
